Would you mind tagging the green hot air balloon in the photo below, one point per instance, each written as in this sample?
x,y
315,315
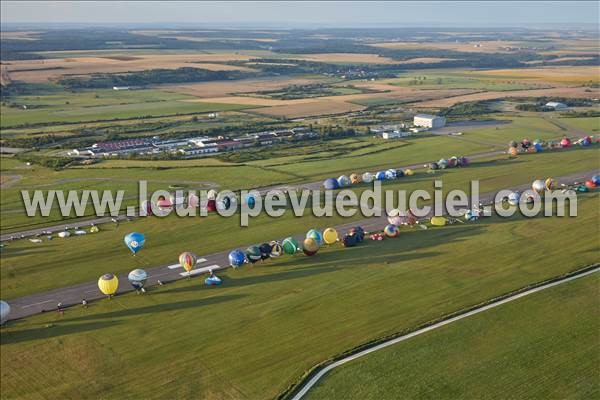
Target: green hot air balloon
x,y
290,246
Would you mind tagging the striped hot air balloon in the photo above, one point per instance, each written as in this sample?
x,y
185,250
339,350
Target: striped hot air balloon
x,y
188,260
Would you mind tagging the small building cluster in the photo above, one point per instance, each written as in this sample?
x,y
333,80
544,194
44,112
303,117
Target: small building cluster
x,y
429,121
421,122
554,105
192,146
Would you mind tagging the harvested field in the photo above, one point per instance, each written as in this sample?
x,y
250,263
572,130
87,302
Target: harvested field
x,y
347,58
323,106
43,70
558,92
559,74
498,46
224,88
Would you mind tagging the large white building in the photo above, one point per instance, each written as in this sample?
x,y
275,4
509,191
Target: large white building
x,y
429,121
556,105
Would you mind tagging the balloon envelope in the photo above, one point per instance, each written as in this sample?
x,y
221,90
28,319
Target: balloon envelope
x,y
330,236
276,249
391,231
137,278
380,175
310,246
390,174
331,184
316,235
367,177
355,178
213,281
4,311
108,284
538,185
290,245
188,260
349,240
134,241
253,254
513,198
596,179
265,250
438,221
566,142
237,258
343,181
408,172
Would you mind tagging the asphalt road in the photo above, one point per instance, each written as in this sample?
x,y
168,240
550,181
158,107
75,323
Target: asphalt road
x,y
71,295
303,390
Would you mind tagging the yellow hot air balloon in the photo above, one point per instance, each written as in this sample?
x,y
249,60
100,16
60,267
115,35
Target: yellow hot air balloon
x,y
108,284
330,236
438,221
408,172
549,184
187,260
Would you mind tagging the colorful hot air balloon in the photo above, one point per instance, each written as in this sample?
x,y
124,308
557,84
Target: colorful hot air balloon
x,y
463,161
137,278
237,258
549,184
164,204
367,177
390,174
315,234
565,142
443,163
596,179
433,166
134,241
108,284
438,221
290,246
211,205
354,179
471,215
359,232
391,231
330,236
211,194
331,184
513,151
538,186
213,280
188,261
399,173
147,207
590,184
253,254
276,249
408,172
4,311
453,162
343,181
265,250
310,246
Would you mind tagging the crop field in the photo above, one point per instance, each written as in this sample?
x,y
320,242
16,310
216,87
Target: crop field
x,y
98,105
492,46
591,124
460,80
478,357
167,237
566,75
240,340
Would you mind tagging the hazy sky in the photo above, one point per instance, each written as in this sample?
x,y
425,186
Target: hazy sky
x,y
309,14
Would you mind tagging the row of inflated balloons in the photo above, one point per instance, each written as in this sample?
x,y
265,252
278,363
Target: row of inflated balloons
x,y
527,146
367,177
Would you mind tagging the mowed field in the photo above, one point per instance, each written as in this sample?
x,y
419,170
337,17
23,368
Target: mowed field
x,y
496,46
543,346
270,323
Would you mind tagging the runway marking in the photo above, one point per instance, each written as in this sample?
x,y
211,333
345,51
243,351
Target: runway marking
x,y
175,266
199,270
37,304
155,275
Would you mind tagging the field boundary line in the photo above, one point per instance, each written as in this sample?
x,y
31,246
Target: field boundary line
x,y
312,377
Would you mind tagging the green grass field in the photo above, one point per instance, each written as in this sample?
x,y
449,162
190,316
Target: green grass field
x,y
544,346
460,79
270,323
103,104
24,271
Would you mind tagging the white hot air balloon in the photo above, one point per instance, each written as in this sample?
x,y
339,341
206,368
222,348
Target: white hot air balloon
x,y
4,311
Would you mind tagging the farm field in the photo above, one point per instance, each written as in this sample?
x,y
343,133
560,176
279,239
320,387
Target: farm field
x,y
548,338
489,46
62,262
272,303
566,75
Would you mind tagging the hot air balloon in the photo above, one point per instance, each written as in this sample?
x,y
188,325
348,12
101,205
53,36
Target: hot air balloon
x,y
463,161
349,240
590,184
408,172
399,173
134,241
513,198
108,284
276,249
193,201
367,177
164,204
565,142
453,162
359,232
316,235
513,151
310,246
525,144
549,184
211,194
390,174
290,246
330,236
343,181
331,184
265,250
586,141
391,231
237,258
433,166
137,278
380,175
596,179
538,186
253,254
443,163
394,218
211,205
4,311
354,179
471,215
188,261
64,234
147,207
213,280
438,221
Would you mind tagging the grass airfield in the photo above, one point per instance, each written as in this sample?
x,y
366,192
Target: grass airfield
x,y
270,323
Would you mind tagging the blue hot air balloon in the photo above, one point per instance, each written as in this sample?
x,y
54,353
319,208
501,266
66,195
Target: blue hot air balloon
x,y
237,258
134,241
380,175
331,184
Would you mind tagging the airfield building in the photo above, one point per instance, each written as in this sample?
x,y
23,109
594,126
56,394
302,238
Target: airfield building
x,y
429,121
556,105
